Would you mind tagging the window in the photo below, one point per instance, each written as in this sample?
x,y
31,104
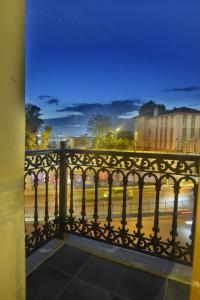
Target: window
x,y
184,133
149,132
161,132
161,137
171,136
192,135
165,137
156,133
193,121
184,120
166,121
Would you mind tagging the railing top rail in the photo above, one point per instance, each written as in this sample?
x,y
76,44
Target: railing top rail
x,y
141,154
180,164
41,152
177,156
166,163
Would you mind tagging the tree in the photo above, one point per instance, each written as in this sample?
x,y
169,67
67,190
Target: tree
x,y
33,120
110,141
98,125
161,108
81,142
45,135
31,140
33,123
147,109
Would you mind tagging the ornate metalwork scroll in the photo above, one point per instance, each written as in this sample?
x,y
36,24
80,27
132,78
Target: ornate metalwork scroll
x,y
41,186
152,162
155,219
141,201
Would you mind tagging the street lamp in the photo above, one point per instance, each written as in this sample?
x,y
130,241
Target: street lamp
x,y
117,130
135,137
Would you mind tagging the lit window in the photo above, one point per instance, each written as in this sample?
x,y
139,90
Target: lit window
x,y
193,121
192,135
185,120
184,133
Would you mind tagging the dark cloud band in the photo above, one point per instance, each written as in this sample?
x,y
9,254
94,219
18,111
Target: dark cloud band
x,y
49,99
183,89
117,107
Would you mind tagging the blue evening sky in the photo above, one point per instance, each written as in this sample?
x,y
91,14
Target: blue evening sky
x,y
99,51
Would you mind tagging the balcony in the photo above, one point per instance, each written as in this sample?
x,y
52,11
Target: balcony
x,y
86,269
142,204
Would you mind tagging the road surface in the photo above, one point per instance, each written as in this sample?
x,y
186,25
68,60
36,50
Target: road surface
x,y
166,208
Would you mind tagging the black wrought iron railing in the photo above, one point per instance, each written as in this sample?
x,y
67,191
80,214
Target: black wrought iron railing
x,y
141,201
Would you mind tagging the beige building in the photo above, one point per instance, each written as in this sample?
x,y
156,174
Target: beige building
x,y
175,130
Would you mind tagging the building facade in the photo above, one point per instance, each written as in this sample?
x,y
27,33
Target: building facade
x,y
174,130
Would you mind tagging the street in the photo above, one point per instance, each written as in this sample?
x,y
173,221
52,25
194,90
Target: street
x,y
166,202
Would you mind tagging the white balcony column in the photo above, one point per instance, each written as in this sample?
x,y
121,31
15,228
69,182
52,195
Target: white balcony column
x,y
12,135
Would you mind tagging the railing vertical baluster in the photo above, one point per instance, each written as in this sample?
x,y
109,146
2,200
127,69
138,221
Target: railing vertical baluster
x,y
36,223
46,218
139,218
83,211
95,215
109,213
62,190
155,228
173,231
56,196
71,206
123,221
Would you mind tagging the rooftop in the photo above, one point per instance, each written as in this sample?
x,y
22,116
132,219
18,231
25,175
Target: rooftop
x,y
181,110
175,110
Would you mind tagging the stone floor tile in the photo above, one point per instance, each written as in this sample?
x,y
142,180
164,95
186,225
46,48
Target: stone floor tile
x,y
139,285
103,273
176,290
46,284
84,291
68,260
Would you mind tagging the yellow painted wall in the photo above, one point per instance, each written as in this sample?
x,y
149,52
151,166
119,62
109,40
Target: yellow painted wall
x,y
12,251
195,290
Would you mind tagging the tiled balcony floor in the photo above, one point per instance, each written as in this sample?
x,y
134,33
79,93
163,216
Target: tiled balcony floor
x,y
73,274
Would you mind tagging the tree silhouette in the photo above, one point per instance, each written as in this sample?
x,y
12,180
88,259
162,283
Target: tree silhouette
x,y
98,125
45,135
33,120
147,109
33,123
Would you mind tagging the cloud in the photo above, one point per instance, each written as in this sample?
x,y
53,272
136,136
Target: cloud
x,y
53,101
44,97
50,100
128,115
196,105
183,89
114,108
77,115
71,120
72,125
82,108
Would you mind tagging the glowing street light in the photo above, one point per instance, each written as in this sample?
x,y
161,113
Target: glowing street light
x,y
117,130
135,138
